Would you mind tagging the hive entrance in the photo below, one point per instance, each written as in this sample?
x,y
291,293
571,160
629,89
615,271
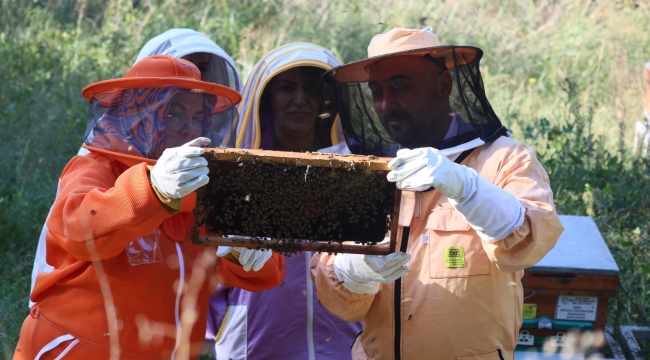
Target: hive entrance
x,y
297,201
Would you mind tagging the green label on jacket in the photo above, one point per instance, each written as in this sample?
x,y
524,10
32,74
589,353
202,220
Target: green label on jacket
x,y
530,311
454,256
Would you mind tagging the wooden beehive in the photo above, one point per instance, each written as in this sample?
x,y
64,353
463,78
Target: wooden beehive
x,y
288,202
570,288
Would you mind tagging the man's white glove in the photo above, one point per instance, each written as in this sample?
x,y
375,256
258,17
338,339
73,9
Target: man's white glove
x,y
181,170
493,212
362,274
420,169
248,258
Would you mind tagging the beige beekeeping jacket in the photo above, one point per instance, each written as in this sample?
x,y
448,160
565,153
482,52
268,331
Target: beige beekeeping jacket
x,y
468,313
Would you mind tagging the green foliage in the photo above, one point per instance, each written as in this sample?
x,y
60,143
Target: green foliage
x,y
562,74
612,187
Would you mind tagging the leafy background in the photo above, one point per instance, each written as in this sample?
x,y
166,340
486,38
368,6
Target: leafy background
x,y
566,76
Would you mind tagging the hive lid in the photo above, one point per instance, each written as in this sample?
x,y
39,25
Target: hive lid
x,y
581,249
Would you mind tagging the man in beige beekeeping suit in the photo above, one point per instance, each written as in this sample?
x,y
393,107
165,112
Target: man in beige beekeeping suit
x,y
477,207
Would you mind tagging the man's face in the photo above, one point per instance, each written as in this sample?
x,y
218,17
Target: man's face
x,y
410,95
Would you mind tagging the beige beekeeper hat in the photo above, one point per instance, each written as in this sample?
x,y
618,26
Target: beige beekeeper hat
x,y
402,42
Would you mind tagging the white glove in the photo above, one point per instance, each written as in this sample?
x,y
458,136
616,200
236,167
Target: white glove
x,y
420,169
248,258
362,274
181,170
493,212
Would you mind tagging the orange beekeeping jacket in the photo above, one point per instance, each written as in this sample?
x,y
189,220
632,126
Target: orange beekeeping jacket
x,y
440,312
96,295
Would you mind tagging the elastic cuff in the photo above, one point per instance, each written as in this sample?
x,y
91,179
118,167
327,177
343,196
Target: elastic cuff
x,y
172,205
235,254
232,258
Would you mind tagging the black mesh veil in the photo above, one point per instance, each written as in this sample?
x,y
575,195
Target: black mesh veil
x,y
473,116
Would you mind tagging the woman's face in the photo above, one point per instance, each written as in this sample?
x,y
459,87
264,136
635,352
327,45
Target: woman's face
x,y
185,119
202,62
295,102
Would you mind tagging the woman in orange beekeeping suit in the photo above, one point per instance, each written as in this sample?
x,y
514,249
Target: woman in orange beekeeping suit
x,y
127,283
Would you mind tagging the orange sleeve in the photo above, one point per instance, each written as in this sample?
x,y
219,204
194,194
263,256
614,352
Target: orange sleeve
x,y
269,276
100,210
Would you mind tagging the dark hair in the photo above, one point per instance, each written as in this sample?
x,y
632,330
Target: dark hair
x,y
313,75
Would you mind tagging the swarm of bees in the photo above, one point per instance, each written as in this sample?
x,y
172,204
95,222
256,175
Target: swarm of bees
x,y
294,200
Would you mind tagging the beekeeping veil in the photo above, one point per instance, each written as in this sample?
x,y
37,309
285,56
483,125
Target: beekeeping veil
x,y
250,134
473,120
160,101
216,66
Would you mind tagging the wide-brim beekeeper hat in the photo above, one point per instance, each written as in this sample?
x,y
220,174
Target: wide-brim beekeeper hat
x,y
474,121
160,71
405,42
130,115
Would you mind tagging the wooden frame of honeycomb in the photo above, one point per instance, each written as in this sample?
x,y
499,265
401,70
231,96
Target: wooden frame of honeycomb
x,y
290,202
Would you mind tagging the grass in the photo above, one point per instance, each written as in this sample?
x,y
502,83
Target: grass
x,y
565,76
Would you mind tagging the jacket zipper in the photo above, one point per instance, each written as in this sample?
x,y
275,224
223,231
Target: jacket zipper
x,y
397,300
310,309
179,291
398,297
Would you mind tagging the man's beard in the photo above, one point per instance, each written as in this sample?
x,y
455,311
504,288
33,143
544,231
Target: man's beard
x,y
404,132
425,128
